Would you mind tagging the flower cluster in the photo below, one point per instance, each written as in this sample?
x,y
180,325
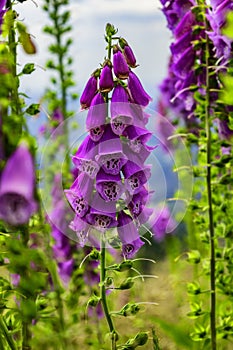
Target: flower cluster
x,y
110,190
187,29
186,72
217,19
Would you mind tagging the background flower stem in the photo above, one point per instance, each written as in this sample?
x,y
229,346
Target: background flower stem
x,y
210,208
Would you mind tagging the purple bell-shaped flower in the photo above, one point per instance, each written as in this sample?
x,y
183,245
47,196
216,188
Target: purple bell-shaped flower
x,y
17,183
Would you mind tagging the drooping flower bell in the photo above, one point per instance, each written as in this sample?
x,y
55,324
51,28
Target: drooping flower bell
x,y
120,66
90,90
128,234
121,114
96,117
17,183
84,158
128,53
106,82
139,95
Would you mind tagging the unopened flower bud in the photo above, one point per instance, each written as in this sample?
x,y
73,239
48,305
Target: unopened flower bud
x,y
106,82
89,90
128,53
120,66
93,301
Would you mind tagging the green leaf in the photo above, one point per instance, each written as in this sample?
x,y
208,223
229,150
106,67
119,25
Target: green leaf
x,y
33,109
226,94
28,68
228,28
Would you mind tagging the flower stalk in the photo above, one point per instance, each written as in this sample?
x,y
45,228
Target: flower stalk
x,y
103,294
210,207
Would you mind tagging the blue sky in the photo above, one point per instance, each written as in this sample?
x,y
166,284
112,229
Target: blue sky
x,y
141,23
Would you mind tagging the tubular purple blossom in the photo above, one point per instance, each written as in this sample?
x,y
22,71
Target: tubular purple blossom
x,y
109,186
120,66
128,234
106,82
17,183
84,157
136,174
89,90
121,113
110,156
101,220
96,117
139,95
128,53
79,194
81,228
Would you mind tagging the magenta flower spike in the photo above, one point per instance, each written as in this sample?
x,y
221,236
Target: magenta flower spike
x,y
109,186
121,113
89,91
84,157
79,195
17,183
96,117
106,82
128,234
120,66
110,156
139,95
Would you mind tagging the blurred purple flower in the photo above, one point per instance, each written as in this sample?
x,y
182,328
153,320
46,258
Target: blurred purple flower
x,y
162,223
17,183
65,269
2,12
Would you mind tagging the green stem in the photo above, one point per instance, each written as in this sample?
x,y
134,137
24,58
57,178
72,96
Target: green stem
x,y
6,334
26,333
103,294
210,208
